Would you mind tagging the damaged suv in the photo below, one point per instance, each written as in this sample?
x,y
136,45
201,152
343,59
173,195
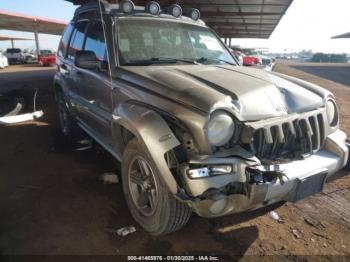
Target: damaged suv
x,y
195,132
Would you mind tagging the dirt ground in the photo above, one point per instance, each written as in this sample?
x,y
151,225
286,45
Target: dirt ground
x,y
53,203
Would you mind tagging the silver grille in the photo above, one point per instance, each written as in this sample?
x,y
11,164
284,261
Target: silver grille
x,y
289,138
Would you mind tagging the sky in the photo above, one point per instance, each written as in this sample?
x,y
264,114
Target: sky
x,y
308,24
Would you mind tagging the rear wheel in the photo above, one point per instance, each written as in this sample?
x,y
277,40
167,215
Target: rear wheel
x,y
149,201
68,125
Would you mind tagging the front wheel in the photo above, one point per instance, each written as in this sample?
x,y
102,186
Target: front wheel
x,y
148,199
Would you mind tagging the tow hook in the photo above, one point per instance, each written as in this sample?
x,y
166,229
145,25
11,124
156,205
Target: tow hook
x,y
257,176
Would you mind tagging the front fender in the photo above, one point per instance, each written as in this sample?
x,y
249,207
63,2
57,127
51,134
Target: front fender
x,y
153,133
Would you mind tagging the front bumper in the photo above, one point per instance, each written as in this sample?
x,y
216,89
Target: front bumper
x,y
213,197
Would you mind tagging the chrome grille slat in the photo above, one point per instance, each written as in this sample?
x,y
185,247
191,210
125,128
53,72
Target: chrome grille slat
x,y
318,133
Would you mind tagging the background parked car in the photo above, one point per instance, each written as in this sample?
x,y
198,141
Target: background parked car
x,y
47,58
30,56
252,57
14,56
3,61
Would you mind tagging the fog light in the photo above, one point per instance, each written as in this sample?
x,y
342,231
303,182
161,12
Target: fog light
x,y
127,6
153,8
218,170
218,206
175,10
195,14
210,171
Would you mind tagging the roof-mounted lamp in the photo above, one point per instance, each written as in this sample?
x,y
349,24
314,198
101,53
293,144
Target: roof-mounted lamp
x,y
194,14
127,6
175,10
153,8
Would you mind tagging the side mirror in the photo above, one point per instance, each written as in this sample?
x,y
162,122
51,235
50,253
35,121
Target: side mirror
x,y
86,60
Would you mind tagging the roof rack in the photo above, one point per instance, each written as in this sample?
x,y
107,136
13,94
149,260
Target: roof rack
x,y
93,5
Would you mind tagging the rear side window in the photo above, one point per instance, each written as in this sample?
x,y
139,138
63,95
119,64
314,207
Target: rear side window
x,y
62,49
77,40
95,40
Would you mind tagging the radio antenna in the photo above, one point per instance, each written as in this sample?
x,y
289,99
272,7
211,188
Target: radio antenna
x,y
105,38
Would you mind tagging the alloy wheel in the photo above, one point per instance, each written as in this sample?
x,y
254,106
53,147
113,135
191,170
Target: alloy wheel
x,y
143,186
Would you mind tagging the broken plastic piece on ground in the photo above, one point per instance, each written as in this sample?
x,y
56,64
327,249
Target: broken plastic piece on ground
x,y
274,215
83,148
126,231
86,144
9,105
21,118
109,178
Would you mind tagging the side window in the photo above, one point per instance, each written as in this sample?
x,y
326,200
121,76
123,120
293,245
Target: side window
x,y
62,49
77,40
95,40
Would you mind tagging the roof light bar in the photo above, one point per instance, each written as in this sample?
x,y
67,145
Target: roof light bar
x,y
127,6
195,14
153,8
175,10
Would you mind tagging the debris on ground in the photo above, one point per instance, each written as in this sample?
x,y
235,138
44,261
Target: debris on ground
x,y
296,233
86,144
274,215
314,223
320,235
126,231
21,118
109,178
311,222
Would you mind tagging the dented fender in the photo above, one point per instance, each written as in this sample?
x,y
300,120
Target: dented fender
x,y
153,134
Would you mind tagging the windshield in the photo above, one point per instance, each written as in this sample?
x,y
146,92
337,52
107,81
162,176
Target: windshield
x,y
146,42
13,50
251,52
46,52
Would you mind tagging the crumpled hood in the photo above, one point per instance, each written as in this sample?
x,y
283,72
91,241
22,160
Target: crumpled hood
x,y
254,94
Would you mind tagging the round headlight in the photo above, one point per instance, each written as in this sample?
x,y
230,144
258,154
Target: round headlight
x,y
175,10
127,6
220,128
332,113
195,14
153,8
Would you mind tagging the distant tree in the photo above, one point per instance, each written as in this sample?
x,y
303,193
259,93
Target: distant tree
x,y
329,58
341,58
320,58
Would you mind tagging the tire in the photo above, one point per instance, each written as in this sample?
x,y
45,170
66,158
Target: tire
x,y
168,214
68,126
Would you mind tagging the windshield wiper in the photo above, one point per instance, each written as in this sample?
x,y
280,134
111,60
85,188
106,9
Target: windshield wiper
x,y
175,60
161,60
205,59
